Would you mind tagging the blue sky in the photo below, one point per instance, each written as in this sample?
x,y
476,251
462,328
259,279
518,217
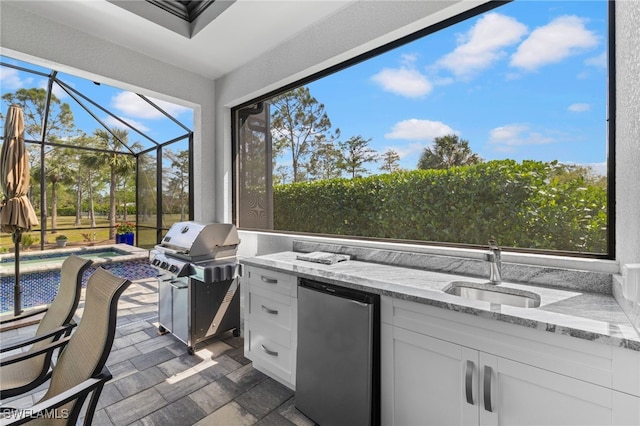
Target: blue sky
x,y
524,81
124,104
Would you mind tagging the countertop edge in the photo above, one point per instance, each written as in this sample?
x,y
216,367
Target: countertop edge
x,y
629,338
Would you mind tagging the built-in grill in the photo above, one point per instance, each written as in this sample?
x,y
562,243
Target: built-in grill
x,y
197,289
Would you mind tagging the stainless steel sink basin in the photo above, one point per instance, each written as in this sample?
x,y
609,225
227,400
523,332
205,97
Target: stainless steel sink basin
x,y
493,294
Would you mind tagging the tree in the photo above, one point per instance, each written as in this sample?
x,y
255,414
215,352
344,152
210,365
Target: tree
x,y
117,162
92,163
448,151
178,183
390,160
325,161
299,123
60,125
355,153
33,101
58,173
586,174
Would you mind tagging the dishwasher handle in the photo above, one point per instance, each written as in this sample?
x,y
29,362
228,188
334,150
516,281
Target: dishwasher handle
x,y
360,297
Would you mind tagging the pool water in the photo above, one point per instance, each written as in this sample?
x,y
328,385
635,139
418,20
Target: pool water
x,y
40,272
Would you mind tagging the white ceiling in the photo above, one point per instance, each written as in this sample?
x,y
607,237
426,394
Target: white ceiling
x,y
245,30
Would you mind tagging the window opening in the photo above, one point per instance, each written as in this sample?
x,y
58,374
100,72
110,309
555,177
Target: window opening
x,y
494,127
99,156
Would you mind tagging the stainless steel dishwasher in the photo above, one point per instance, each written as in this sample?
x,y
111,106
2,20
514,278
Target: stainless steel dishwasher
x,y
338,358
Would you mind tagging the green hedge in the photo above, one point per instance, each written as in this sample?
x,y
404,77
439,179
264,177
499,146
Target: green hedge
x,y
519,204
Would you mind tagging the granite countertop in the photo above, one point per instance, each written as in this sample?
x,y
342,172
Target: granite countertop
x,y
591,316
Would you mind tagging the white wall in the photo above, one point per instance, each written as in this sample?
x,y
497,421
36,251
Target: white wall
x,y
34,39
627,132
364,26
356,29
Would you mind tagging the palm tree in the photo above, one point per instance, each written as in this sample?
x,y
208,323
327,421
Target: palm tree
x,y
178,184
91,161
117,162
57,173
448,151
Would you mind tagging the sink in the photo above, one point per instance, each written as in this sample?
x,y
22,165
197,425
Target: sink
x,y
493,294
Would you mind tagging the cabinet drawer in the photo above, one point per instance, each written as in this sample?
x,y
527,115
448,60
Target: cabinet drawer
x,y
269,307
273,281
274,332
270,353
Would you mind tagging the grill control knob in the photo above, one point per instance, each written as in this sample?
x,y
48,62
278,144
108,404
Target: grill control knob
x,y
173,268
164,265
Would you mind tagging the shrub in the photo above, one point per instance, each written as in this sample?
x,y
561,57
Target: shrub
x,y
520,205
28,240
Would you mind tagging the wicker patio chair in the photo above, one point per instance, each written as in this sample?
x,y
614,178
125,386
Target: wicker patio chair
x,y
56,321
81,367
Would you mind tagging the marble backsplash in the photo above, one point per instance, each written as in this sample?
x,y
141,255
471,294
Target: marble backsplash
x,y
595,282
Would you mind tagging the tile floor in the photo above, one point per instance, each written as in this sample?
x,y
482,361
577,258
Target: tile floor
x,y
155,381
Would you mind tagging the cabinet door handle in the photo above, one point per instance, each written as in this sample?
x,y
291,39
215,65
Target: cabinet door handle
x,y
268,351
269,280
468,382
487,388
269,311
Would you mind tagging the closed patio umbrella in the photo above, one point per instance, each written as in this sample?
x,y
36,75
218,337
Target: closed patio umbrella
x,y
16,211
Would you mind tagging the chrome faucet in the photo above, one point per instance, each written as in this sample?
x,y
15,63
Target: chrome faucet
x,y
493,256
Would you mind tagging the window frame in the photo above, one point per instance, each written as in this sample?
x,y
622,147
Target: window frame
x,y
469,14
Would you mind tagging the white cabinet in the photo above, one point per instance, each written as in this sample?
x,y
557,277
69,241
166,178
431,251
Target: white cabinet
x,y
474,376
270,322
423,380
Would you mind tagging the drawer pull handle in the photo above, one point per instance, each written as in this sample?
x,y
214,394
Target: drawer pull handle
x,y
269,311
487,389
468,382
269,280
269,352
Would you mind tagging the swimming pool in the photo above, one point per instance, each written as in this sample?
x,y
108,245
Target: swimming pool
x,y
40,271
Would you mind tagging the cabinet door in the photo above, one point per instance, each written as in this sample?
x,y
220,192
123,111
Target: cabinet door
x,y
426,381
519,394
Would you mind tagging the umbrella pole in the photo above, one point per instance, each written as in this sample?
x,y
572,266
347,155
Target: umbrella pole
x,y
17,292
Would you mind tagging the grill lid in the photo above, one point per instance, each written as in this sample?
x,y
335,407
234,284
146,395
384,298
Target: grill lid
x,y
194,241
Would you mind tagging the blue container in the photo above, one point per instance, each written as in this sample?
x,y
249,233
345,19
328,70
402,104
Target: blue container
x,y
125,238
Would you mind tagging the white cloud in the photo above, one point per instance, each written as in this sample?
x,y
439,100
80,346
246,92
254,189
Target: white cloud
x,y
415,129
404,81
56,89
599,61
483,45
505,138
113,123
551,43
583,75
132,105
10,79
579,107
599,168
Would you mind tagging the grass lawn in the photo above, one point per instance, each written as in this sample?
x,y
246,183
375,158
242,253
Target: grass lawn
x,y
146,238
97,235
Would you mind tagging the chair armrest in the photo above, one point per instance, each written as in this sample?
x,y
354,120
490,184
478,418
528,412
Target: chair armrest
x,y
29,340
32,316
42,409
12,359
